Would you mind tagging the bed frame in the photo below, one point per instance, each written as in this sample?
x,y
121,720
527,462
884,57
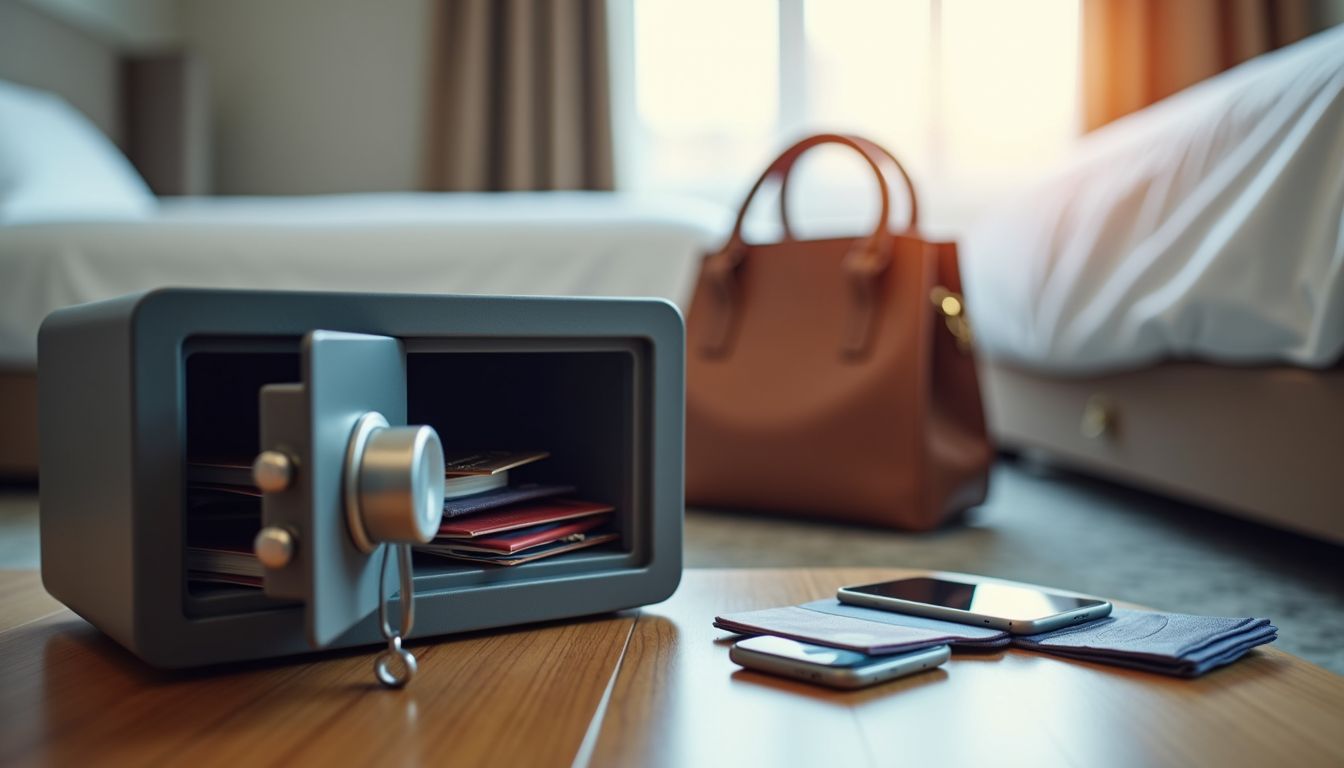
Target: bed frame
x,y
1265,443
18,436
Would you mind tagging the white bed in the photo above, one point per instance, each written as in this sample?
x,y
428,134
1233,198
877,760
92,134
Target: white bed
x,y
570,243
1167,307
1209,226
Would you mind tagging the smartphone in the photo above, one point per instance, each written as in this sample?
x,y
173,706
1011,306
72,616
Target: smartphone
x,y
834,667
1019,610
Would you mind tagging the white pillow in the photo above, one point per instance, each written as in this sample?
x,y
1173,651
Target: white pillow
x,y
1209,225
56,165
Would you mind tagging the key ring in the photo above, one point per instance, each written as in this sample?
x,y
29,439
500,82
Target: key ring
x,y
395,656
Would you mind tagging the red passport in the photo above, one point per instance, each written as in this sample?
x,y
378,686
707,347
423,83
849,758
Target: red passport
x,y
517,541
568,544
519,516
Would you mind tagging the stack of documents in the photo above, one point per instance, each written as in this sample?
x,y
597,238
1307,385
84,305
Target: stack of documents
x,y
223,517
515,524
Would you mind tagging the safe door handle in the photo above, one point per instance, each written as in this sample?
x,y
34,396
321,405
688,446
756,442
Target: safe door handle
x,y
393,488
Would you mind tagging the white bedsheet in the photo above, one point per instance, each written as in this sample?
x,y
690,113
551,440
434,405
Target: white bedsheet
x,y
1210,225
599,244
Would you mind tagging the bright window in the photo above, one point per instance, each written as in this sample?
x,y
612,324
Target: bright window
x,y
970,94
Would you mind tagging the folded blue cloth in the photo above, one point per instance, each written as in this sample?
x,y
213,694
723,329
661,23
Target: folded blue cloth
x,y
1169,643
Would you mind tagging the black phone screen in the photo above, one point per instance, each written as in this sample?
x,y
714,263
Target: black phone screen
x,y
997,600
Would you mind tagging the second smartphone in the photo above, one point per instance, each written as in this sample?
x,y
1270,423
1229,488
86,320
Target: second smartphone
x,y
833,667
1018,610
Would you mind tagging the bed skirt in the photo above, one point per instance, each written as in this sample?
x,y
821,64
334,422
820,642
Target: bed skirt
x,y
18,414
1265,443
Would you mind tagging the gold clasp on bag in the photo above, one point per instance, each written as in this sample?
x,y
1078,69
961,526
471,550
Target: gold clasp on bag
x,y
952,307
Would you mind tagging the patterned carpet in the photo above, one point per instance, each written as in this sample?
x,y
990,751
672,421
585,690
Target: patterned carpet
x,y
1042,527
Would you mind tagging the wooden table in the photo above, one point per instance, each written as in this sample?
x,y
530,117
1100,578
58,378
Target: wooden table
x,y
653,687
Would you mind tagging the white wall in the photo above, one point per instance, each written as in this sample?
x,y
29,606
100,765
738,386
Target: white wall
x,y
131,25
309,96
314,96
1331,11
39,49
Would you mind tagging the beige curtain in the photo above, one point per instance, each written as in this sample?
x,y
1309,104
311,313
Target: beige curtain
x,y
1136,52
521,96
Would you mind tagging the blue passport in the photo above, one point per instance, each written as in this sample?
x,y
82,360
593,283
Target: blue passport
x,y
466,505
1167,643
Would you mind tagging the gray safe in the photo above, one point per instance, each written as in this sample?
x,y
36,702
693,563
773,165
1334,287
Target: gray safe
x,y
133,389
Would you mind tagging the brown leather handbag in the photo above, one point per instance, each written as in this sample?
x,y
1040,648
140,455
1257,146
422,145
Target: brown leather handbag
x,y
834,378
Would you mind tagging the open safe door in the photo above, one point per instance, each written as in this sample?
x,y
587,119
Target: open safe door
x,y
341,478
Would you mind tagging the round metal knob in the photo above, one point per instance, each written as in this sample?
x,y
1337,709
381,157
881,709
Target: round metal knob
x,y
394,483
1100,418
274,546
272,471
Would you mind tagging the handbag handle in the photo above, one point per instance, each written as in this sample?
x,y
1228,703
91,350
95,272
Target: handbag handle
x,y
863,265
782,167
873,150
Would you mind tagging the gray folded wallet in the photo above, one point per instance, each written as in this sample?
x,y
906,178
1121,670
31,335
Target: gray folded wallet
x,y
1167,643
